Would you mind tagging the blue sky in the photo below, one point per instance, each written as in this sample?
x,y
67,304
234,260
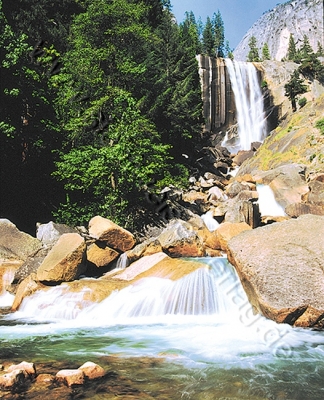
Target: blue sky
x,y
238,15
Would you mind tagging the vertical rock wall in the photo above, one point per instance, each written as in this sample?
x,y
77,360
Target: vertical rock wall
x,y
218,98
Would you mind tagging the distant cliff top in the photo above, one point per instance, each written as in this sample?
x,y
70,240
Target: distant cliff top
x,y
296,17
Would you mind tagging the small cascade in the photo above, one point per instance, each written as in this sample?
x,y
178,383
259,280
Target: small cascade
x,y
201,293
268,205
122,262
251,119
6,298
210,221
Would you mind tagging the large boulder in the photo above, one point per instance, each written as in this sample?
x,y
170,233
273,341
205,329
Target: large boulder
x,y
113,235
66,260
179,239
14,244
100,256
287,182
281,268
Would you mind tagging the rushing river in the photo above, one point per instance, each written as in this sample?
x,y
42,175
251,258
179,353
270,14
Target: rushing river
x,y
199,332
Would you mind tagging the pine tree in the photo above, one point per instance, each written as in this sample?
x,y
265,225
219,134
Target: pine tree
x,y
253,55
320,50
219,37
292,51
265,52
294,88
208,39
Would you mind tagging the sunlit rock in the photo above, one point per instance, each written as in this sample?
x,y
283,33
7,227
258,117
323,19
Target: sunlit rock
x,y
138,267
146,248
228,230
101,256
71,377
92,370
27,287
14,244
12,379
28,367
113,235
65,261
281,269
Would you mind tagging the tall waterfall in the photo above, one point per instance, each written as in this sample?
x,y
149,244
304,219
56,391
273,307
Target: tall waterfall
x,y
251,119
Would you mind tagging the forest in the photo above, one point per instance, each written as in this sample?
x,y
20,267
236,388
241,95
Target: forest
x,y
100,105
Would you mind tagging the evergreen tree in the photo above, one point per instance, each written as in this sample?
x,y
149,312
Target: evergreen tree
x,y
292,51
208,39
219,36
228,51
265,52
253,55
320,50
310,65
294,88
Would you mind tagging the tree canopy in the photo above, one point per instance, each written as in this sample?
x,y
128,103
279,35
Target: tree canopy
x,y
100,97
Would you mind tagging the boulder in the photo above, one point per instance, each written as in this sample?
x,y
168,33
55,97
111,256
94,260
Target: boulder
x,y
138,267
71,377
14,244
228,230
179,239
49,233
92,370
27,367
281,269
101,255
146,248
26,288
287,183
13,379
113,235
31,265
65,261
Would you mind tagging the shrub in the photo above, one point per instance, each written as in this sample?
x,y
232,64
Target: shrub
x,y
302,102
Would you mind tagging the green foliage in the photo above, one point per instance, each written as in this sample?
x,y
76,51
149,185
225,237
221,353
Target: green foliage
x,y
219,34
294,88
310,65
320,125
265,52
253,55
292,54
302,102
109,177
208,38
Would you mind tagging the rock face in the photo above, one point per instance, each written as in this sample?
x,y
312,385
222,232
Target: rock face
x,y
281,268
218,99
14,244
65,261
297,17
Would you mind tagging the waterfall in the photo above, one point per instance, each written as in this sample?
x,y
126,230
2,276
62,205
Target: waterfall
x,y
268,204
251,119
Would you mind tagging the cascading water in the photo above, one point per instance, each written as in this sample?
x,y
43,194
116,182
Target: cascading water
x,y
251,119
202,324
268,205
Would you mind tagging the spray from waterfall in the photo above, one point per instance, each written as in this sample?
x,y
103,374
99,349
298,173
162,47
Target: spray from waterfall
x,y
251,119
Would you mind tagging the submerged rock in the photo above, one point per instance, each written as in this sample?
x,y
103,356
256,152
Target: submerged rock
x,y
281,268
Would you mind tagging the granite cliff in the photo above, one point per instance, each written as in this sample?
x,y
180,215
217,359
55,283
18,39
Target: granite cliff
x,y
296,17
